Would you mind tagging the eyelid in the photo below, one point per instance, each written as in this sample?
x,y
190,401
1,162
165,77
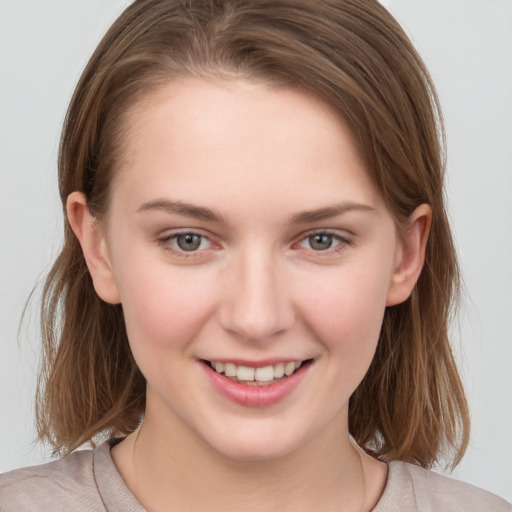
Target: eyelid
x,y
174,240
164,241
344,241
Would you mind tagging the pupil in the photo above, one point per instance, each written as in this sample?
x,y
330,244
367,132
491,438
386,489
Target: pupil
x,y
188,242
320,242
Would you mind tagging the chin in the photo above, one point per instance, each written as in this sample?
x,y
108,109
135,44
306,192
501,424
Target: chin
x,y
256,452
264,446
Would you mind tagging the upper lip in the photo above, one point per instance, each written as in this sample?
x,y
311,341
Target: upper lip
x,y
257,364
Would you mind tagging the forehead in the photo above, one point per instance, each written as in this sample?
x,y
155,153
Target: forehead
x,y
238,140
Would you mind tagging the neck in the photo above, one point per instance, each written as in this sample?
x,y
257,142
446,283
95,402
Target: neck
x,y
189,476
167,468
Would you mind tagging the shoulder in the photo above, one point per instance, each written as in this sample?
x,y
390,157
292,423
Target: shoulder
x,y
62,485
422,490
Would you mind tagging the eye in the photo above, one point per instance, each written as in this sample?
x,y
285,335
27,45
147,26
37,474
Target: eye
x,y
185,243
321,241
189,242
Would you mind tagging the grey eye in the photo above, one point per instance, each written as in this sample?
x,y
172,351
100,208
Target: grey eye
x,y
188,241
320,241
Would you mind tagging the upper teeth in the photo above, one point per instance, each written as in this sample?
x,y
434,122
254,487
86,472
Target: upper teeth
x,y
262,374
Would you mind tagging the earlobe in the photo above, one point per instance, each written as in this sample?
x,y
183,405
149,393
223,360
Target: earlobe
x,y
94,247
410,256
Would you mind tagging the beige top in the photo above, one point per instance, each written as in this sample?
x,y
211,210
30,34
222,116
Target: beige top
x,y
88,481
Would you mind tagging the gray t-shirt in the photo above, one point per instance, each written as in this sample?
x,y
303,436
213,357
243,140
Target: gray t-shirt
x,y
88,481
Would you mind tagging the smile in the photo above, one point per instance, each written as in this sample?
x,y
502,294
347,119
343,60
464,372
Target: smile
x,y
256,386
261,376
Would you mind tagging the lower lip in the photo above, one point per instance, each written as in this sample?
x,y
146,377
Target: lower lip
x,y
255,396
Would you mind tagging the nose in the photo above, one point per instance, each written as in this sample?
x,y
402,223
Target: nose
x,y
256,304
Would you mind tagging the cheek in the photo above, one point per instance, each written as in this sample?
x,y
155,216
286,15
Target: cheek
x,y
164,307
345,311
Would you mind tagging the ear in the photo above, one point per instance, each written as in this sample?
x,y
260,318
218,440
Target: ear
x,y
94,246
410,256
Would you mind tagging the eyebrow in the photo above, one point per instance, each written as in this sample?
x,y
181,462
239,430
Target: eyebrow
x,y
180,208
206,214
330,212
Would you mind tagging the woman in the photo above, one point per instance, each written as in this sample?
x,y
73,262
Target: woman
x,y
258,271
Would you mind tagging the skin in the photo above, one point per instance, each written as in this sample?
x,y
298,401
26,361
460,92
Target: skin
x,y
255,289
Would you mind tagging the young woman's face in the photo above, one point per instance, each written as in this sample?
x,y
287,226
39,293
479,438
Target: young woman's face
x,y
244,233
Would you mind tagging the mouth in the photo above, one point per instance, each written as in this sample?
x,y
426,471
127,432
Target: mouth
x,y
257,376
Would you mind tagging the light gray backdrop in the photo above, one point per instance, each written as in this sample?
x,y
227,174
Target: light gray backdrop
x,y
468,46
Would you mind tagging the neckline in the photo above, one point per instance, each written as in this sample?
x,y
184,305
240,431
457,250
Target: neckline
x,y
111,487
116,496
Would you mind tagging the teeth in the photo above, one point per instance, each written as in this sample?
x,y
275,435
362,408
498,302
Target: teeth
x,y
263,374
245,373
289,368
278,370
229,370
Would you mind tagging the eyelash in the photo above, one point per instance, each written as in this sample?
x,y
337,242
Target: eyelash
x,y
167,243
343,242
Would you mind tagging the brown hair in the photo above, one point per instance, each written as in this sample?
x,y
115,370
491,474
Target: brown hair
x,y
352,54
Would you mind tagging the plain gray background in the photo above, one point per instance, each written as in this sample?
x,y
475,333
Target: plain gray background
x,y
467,45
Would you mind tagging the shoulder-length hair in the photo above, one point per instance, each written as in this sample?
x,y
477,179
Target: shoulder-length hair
x,y
354,56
